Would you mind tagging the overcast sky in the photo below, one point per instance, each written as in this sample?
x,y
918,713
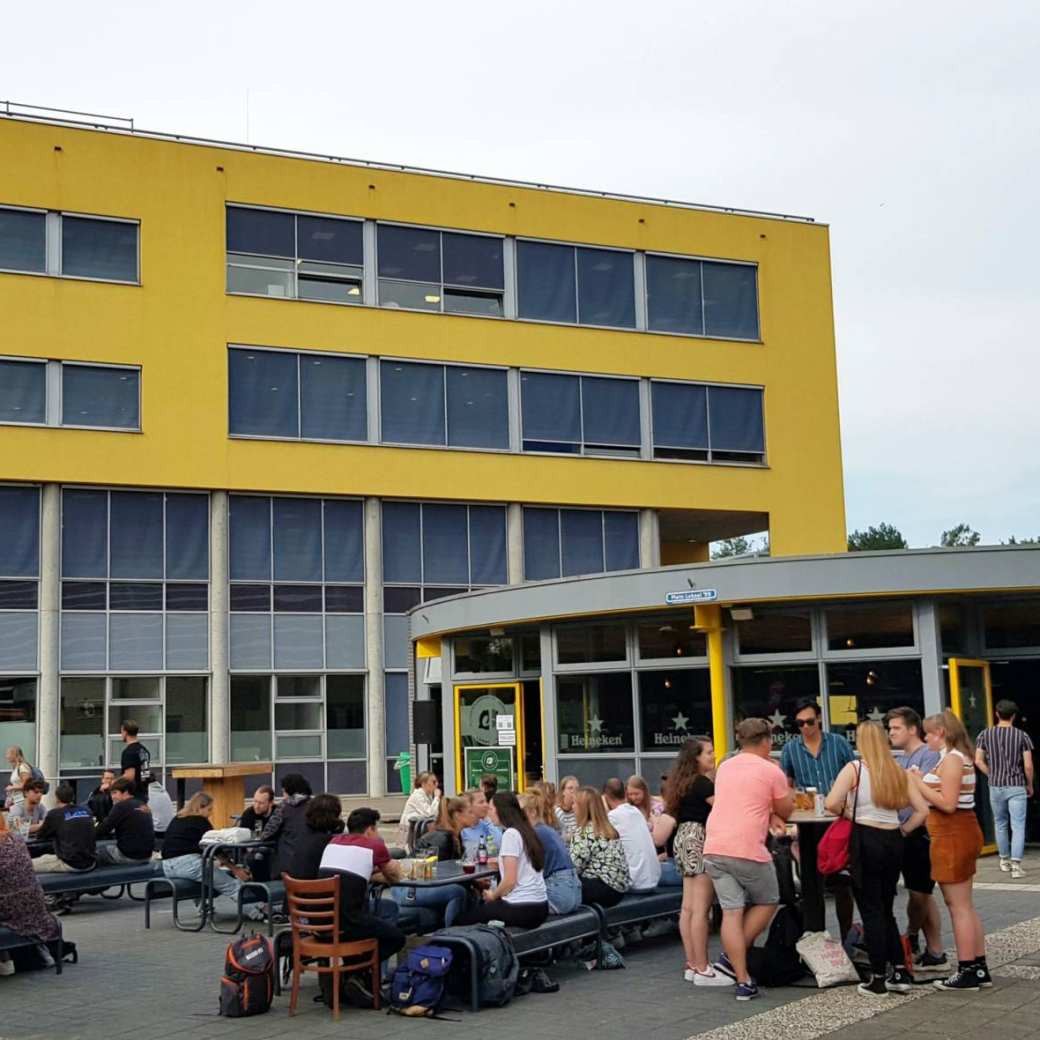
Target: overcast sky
x,y
910,128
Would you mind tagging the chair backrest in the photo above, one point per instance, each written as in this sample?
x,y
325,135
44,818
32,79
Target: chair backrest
x,y
313,906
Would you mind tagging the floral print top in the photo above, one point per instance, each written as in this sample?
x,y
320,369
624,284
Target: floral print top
x,y
602,858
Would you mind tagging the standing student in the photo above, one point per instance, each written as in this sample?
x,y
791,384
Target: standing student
x,y
597,852
324,819
130,824
565,805
1004,753
519,898
135,761
905,734
689,794
956,843
871,793
21,774
644,867
749,791
288,823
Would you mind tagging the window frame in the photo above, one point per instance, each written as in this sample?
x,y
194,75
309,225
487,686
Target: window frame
x,y
139,428
45,363
603,511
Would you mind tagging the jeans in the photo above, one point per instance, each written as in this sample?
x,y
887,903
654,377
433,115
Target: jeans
x,y
452,898
670,876
878,859
226,902
109,853
564,891
1009,810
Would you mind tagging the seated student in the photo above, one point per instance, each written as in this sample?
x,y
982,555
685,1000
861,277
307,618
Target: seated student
x,y
161,805
182,856
130,824
287,823
424,803
637,793
597,852
22,908
71,828
664,829
357,858
324,819
519,898
31,807
100,800
565,805
562,887
644,868
255,819
481,827
444,840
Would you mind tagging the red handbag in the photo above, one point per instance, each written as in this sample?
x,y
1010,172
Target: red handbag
x,y
832,855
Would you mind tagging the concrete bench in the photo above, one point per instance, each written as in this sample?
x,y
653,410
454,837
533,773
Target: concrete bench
x,y
12,941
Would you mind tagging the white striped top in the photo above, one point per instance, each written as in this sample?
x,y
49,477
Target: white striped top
x,y
966,797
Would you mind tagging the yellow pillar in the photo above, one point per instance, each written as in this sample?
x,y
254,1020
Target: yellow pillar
x,y
707,618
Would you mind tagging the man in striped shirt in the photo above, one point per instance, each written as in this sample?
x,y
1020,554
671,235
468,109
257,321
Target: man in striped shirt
x,y
1005,754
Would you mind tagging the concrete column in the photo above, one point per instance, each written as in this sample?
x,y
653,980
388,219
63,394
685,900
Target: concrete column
x,y
649,539
48,707
930,638
219,686
376,702
515,543
550,723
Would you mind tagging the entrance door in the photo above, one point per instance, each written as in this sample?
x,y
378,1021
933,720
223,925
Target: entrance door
x,y
971,698
489,735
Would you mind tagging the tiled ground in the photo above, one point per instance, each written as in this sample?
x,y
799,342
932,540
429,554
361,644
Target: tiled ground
x,y
162,983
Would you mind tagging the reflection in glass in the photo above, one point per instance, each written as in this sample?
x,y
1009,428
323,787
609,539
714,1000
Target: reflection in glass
x,y
772,693
674,706
345,715
866,690
484,654
586,644
250,718
776,632
870,627
1014,624
186,728
670,636
594,713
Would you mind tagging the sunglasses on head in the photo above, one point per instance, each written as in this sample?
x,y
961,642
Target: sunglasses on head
x,y
805,722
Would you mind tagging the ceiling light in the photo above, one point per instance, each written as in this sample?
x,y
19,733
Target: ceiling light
x,y
741,613
432,298
353,291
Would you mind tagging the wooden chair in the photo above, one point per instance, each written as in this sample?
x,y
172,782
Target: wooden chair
x,y
313,908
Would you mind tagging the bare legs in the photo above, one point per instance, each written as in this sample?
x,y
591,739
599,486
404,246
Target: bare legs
x,y
698,895
740,929
923,916
967,927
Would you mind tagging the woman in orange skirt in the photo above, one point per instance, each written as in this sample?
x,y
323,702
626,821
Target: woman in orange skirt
x,y
956,841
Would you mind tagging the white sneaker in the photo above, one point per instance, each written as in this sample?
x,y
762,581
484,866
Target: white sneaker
x,y
710,978
1005,865
1016,870
6,967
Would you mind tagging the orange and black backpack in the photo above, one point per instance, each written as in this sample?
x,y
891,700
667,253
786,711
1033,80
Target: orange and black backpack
x,y
248,983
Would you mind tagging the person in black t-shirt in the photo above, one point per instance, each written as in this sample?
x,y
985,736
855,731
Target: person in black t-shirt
x,y
136,761
100,800
324,817
255,819
130,823
71,828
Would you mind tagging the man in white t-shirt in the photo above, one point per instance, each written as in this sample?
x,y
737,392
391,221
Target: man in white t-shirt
x,y
643,864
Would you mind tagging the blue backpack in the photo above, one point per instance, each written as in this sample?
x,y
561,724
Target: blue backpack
x,y
417,987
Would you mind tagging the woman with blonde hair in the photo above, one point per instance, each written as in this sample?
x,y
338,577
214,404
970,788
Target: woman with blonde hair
x,y
561,879
564,809
956,841
637,793
597,852
871,792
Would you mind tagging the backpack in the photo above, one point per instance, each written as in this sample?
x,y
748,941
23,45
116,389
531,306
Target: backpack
x,y
783,863
778,963
248,983
417,986
497,971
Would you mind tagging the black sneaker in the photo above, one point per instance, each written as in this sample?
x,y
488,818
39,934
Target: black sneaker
x,y
358,994
962,979
984,977
900,981
876,987
542,983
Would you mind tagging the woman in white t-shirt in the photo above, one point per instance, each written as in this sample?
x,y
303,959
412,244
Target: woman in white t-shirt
x,y
519,899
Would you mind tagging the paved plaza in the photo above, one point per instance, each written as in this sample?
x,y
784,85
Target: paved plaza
x,y
163,983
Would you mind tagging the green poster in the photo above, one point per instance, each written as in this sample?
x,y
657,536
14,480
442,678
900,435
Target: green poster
x,y
495,760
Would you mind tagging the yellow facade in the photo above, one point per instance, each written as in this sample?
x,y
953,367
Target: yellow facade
x,y
178,322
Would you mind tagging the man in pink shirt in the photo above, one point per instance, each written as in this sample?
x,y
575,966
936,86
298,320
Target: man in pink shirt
x,y
749,789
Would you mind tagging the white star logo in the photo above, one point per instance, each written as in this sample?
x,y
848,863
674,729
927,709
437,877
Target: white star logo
x,y
679,721
596,724
777,719
876,714
971,700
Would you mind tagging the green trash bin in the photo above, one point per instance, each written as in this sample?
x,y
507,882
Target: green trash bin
x,y
403,765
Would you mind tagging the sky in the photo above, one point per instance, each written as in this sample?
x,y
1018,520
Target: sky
x,y
906,127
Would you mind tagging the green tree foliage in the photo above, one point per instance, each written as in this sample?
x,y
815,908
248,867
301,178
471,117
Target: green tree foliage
x,y
739,546
884,536
962,534
1022,541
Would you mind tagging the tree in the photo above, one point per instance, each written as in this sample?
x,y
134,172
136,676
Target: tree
x,y
962,534
884,536
1022,541
740,546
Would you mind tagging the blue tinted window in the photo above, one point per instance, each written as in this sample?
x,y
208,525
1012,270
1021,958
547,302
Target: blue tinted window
x,y
401,545
610,412
413,254
260,231
297,539
551,411
23,244
136,534
541,544
680,414
487,545
262,392
445,544
606,290
249,538
412,403
673,295
332,398
84,534
20,540
329,240
545,281
472,261
397,714
104,397
736,419
582,545
98,249
135,595
621,537
344,541
23,391
187,537
730,300
478,407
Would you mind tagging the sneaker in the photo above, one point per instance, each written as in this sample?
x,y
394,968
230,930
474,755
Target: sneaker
x,y
542,983
710,978
900,981
1016,870
358,994
746,990
984,977
931,964
1005,864
723,965
662,926
876,987
7,967
962,979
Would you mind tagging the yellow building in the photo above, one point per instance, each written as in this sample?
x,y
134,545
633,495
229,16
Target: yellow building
x,y
257,405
